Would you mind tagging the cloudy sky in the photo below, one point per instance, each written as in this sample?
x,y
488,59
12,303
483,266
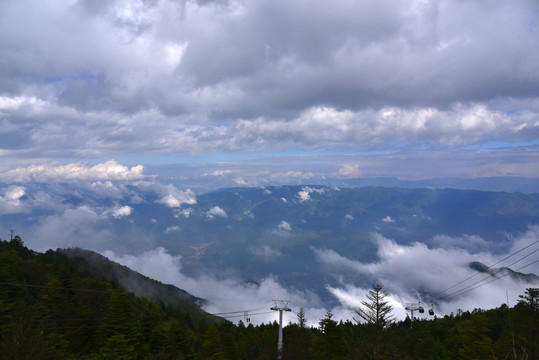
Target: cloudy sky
x,y
413,89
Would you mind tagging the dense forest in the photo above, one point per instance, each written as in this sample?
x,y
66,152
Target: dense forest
x,y
50,308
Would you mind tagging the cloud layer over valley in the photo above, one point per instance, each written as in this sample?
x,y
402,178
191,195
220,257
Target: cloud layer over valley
x,y
438,273
319,247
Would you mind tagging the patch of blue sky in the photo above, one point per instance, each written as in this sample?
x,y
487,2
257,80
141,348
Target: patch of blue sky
x,y
238,157
499,145
513,112
84,76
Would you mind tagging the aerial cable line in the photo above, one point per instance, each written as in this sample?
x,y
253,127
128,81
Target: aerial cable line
x,y
250,314
56,288
525,266
464,290
239,311
469,277
492,280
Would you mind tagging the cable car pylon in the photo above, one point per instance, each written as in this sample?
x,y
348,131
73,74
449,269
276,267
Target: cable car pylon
x,y
280,306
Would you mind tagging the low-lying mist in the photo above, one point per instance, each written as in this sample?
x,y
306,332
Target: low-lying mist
x,y
437,275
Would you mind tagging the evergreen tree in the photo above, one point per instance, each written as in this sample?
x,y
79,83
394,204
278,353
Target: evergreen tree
x,y
330,344
299,339
476,343
376,311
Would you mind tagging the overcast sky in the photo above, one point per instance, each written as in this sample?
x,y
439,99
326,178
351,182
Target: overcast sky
x,y
413,89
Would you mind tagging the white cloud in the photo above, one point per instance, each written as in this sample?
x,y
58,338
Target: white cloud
x,y
110,170
10,202
351,170
240,181
230,295
170,195
151,88
293,174
471,243
409,272
185,212
81,226
348,217
171,229
266,253
121,211
221,172
283,200
284,226
215,211
388,219
303,196
13,194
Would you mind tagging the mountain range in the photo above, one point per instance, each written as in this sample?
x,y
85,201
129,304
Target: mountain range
x,y
310,239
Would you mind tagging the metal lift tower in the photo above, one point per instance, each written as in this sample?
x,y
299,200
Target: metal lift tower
x,y
280,306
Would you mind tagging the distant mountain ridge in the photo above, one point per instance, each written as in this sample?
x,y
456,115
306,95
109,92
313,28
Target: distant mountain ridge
x,y
279,231
504,271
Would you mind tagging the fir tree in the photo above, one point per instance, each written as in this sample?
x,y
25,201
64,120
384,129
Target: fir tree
x,y
376,311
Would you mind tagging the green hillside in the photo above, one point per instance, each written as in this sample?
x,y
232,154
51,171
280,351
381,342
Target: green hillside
x,y
52,307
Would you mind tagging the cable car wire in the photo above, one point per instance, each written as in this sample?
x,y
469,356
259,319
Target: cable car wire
x,y
489,267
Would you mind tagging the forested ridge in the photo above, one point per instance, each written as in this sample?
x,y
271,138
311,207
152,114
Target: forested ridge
x,y
53,309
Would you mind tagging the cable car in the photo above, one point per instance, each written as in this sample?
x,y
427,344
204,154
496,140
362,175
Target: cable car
x,y
421,310
431,312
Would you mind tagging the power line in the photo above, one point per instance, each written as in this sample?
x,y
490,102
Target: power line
x,y
56,287
464,290
498,278
470,277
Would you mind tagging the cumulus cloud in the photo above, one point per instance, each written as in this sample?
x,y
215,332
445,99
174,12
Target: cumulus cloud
x,y
185,212
215,211
221,172
388,219
284,226
172,229
266,253
304,193
14,193
110,170
240,181
121,211
351,170
171,196
10,202
347,93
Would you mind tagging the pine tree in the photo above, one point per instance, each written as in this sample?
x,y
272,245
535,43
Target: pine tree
x,y
376,311
330,344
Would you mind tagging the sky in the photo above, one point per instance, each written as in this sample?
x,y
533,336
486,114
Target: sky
x,y
271,89
197,94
